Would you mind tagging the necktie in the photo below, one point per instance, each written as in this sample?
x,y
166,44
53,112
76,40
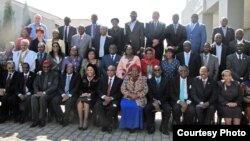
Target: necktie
x,y
204,83
112,57
155,25
182,90
45,82
205,60
40,57
187,59
66,89
66,34
109,87
93,30
224,29
8,80
158,82
24,84
175,28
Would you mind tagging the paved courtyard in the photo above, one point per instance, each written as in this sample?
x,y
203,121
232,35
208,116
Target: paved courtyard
x,y
10,131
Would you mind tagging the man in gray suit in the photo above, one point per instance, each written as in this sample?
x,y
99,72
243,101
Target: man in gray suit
x,y
239,64
239,38
210,61
82,41
45,88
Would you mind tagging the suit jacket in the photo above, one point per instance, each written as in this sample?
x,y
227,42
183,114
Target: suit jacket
x,y
232,46
82,44
175,90
74,85
161,93
29,83
115,90
212,65
107,61
34,44
194,63
12,88
151,33
224,53
135,37
52,83
96,44
199,93
97,30
176,39
197,36
39,65
71,32
230,35
239,68
118,39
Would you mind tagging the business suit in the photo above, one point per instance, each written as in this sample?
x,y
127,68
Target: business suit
x,y
158,32
177,38
197,36
188,115
107,61
82,44
160,93
96,44
239,68
212,64
39,104
136,36
232,46
224,53
26,88
39,63
226,39
9,100
67,40
74,90
118,39
96,31
199,94
110,111
193,65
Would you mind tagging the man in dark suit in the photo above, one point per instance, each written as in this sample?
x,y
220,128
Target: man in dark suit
x,y
93,30
239,34
180,91
8,93
66,32
117,33
134,33
158,99
227,33
155,33
41,56
203,94
190,59
221,51
69,90
239,64
25,90
176,34
110,59
45,88
109,92
210,61
101,43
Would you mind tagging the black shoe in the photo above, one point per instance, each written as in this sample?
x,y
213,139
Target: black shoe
x,y
164,131
151,130
42,124
84,128
109,130
104,129
131,130
34,124
64,123
22,120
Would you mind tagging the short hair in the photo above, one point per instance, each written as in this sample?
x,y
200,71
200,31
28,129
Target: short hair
x,y
170,49
41,44
92,49
38,15
94,68
40,29
25,63
183,66
26,41
226,71
115,19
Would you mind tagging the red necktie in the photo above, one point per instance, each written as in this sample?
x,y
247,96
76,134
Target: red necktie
x,y
109,87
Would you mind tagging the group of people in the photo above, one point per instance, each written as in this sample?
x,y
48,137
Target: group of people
x,y
101,71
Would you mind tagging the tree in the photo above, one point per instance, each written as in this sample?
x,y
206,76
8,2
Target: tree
x,y
26,16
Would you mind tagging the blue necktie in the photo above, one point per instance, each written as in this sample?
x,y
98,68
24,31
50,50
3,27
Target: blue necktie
x,y
66,89
187,59
182,90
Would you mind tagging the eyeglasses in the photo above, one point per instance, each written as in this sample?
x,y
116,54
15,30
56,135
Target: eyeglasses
x,y
157,70
55,46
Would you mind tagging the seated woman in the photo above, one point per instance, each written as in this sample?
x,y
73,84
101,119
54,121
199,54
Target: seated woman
x,y
230,99
56,57
246,99
127,60
55,38
88,97
91,59
134,89
73,58
149,62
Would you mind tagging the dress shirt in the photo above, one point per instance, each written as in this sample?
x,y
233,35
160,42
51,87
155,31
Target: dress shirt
x,y
68,94
102,43
218,52
112,81
33,30
132,25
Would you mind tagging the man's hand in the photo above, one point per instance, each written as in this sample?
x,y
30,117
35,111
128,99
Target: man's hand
x,y
156,105
38,94
155,42
65,98
22,97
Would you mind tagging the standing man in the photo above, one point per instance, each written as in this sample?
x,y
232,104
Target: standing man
x,y
226,32
176,34
93,30
154,32
239,38
38,24
82,41
66,32
134,33
196,34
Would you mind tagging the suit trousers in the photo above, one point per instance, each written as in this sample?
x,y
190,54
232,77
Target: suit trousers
x,y
9,104
25,106
188,115
205,116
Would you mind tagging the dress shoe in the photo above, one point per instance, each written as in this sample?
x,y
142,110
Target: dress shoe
x,y
34,124
84,128
109,130
104,129
42,124
151,130
22,120
165,132
80,128
131,130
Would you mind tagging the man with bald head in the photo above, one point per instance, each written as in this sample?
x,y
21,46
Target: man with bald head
x,y
239,38
154,32
38,24
226,32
